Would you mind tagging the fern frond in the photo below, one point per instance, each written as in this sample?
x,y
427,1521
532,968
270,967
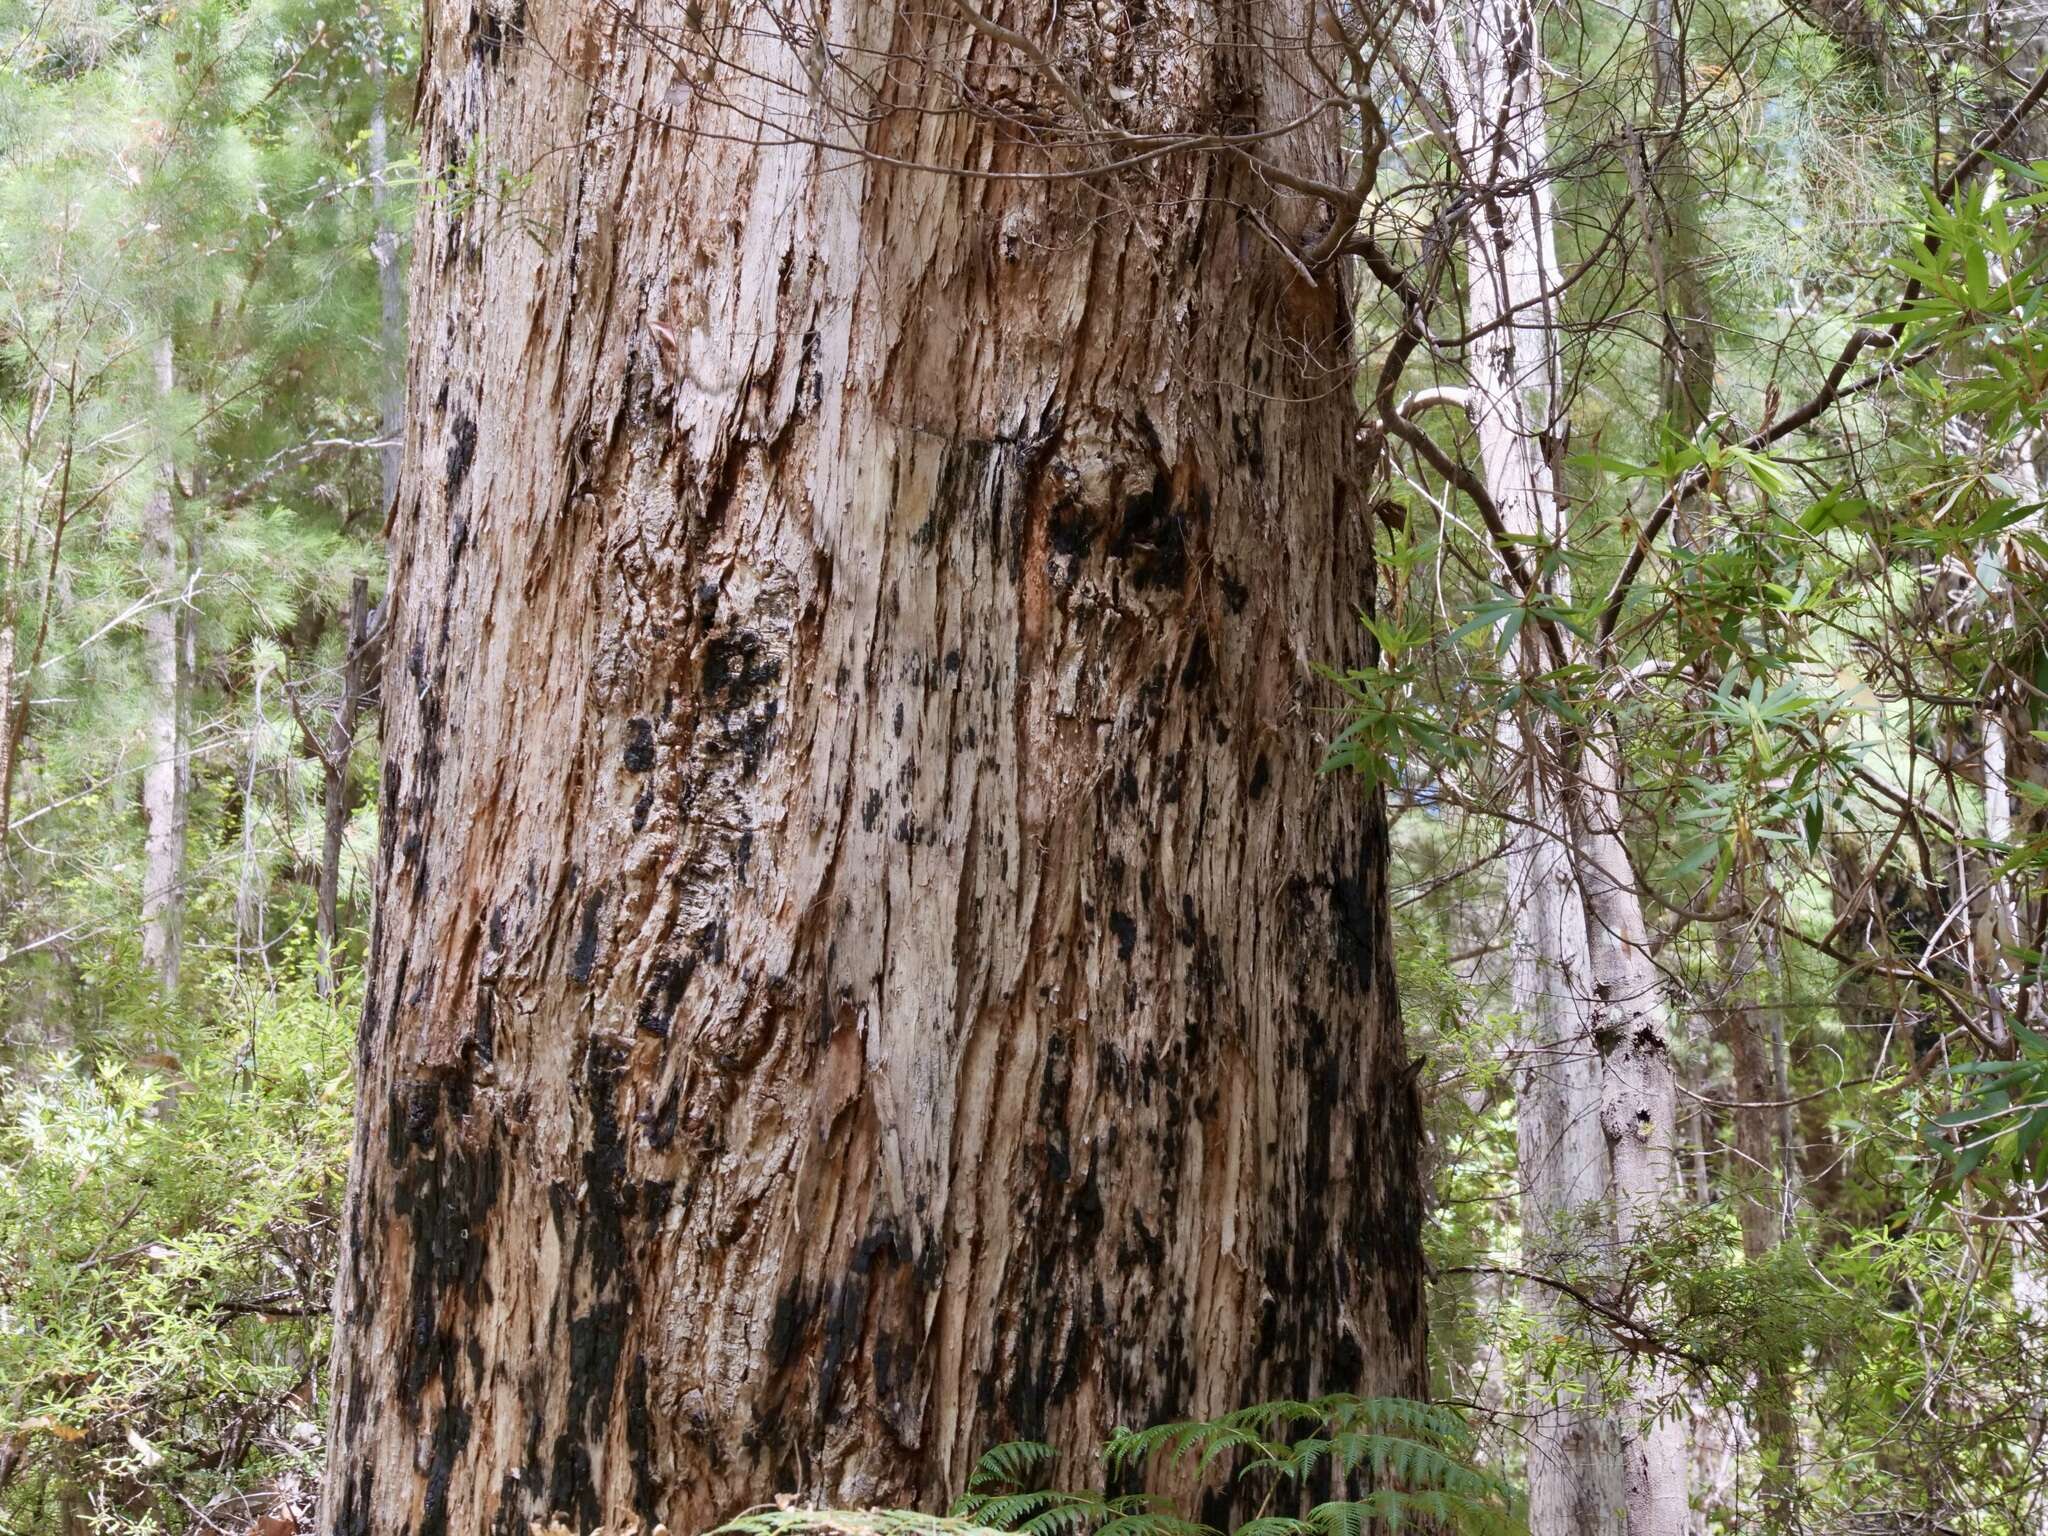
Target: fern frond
x,y
1276,1525
1009,1465
1420,1456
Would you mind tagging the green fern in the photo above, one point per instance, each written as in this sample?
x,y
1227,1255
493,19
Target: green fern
x,y
1418,1460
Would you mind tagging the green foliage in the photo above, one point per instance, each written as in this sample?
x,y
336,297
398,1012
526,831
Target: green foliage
x,y
186,177
166,1252
2004,1109
1408,1464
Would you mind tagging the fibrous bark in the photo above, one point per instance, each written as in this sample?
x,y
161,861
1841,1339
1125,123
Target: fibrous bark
x,y
867,966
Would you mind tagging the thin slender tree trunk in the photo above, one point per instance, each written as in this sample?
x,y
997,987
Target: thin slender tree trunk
x,y
1686,383
251,885
390,293
1575,1471
867,966
1597,1107
8,619
336,754
164,777
1753,1086
1638,1114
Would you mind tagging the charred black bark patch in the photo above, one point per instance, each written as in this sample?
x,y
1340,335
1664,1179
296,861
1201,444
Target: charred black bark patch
x,y
512,1517
749,739
597,1334
584,960
461,453
1262,775
846,1313
1357,919
1070,533
451,1435
596,1340
1126,930
737,666
640,1436
664,992
608,1199
793,1308
1049,1344
639,753
659,1125
1387,1236
356,1505
445,1191
1152,538
422,1108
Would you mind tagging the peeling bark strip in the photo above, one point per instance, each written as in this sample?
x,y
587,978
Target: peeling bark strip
x,y
867,966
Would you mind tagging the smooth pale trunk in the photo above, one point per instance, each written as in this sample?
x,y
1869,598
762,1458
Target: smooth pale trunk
x,y
867,966
1638,1116
7,710
253,884
1595,1101
1996,933
337,754
390,297
164,775
1575,1478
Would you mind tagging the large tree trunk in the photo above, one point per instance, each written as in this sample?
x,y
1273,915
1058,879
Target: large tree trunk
x,y
165,638
867,966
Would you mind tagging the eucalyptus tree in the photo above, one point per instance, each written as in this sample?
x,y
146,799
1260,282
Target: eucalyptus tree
x,y
868,965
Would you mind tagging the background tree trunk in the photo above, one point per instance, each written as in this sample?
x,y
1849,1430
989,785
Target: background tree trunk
x,y
335,749
867,965
164,776
390,293
1596,1122
1491,80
